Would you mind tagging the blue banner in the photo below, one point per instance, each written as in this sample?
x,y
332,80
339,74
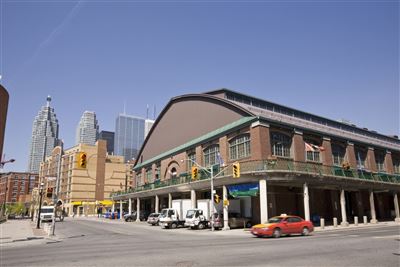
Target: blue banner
x,y
243,190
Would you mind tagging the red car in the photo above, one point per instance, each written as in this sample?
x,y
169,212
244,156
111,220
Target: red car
x,y
283,225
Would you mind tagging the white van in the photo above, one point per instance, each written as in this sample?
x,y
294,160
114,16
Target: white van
x,y
46,213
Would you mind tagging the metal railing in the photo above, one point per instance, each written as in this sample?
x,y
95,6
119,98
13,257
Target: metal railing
x,y
271,166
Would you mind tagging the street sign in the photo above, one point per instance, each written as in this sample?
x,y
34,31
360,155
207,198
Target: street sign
x,y
51,178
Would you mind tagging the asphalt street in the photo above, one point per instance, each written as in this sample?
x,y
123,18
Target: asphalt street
x,y
89,242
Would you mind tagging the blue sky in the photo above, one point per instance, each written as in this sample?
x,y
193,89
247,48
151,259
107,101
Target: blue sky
x,y
337,59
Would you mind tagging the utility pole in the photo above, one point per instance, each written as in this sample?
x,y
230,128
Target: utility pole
x,y
55,195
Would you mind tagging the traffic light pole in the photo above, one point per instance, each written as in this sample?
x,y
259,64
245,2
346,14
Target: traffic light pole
x,y
212,199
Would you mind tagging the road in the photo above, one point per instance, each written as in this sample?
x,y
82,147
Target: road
x,y
89,242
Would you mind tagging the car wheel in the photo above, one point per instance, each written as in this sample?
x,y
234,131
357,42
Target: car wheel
x,y
277,233
201,226
305,231
173,226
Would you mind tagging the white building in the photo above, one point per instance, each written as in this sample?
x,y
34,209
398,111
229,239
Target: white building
x,y
44,136
87,131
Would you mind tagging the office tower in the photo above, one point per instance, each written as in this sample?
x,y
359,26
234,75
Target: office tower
x,y
129,135
147,126
109,137
44,136
87,131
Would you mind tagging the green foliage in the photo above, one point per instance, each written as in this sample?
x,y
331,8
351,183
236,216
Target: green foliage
x,y
16,208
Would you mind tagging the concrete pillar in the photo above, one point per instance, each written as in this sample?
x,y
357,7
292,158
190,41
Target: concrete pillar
x,y
157,204
130,206
365,220
343,208
356,220
263,201
138,209
396,208
226,218
322,223
306,202
169,201
193,198
113,207
372,206
335,222
121,214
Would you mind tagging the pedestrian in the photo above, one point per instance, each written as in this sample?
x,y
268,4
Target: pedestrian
x,y
73,214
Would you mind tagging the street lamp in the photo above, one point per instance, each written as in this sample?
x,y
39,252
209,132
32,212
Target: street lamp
x,y
2,163
40,204
211,172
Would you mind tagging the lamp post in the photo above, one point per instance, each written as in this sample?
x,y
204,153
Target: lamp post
x,y
211,172
40,204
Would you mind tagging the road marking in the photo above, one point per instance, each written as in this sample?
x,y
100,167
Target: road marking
x,y
386,236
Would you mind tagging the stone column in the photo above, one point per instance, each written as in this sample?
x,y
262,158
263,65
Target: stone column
x,y
263,201
226,218
396,208
298,146
389,162
157,204
121,214
326,155
193,198
130,206
169,201
343,208
138,209
113,207
371,159
306,202
351,155
372,206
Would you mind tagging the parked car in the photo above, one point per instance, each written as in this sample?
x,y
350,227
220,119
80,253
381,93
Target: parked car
x,y
235,220
283,225
154,219
132,217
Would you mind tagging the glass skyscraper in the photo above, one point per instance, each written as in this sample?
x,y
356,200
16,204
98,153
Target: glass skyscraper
x,y
87,131
109,137
44,136
129,135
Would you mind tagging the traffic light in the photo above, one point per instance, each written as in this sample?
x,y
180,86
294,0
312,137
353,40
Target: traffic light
x,y
217,198
49,192
236,170
195,173
82,161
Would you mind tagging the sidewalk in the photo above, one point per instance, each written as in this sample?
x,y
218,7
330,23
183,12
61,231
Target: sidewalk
x,y
19,230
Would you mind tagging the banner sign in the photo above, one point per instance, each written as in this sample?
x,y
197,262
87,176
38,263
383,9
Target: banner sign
x,y
243,190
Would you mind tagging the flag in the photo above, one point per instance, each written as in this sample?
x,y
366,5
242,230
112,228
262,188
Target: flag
x,y
314,148
220,159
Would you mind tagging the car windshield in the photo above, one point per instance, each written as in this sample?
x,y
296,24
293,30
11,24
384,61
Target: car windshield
x,y
275,219
164,213
46,210
190,214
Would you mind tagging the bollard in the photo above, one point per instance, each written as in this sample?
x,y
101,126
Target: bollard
x,y
322,223
334,222
365,220
355,220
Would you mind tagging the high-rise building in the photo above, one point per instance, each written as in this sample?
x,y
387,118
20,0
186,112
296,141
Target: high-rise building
x,y
147,126
129,135
3,116
109,137
44,136
87,131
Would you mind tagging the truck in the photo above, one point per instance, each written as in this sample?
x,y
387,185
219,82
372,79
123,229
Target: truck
x,y
175,216
199,218
46,213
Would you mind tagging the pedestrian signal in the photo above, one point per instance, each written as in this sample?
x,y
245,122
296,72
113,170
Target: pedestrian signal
x,y
226,202
82,161
49,192
195,173
236,170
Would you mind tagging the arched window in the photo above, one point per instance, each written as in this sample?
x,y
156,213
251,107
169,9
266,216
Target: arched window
x,y
138,179
191,159
239,147
361,156
380,161
338,153
211,155
149,175
281,144
312,151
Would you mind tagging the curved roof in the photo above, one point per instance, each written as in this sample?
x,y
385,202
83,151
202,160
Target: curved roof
x,y
186,118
